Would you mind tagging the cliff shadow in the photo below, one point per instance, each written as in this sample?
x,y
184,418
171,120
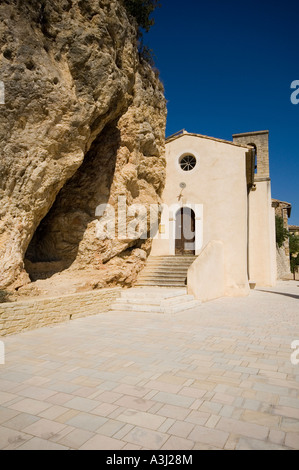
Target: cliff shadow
x,y
54,246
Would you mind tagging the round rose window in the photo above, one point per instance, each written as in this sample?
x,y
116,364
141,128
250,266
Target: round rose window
x,y
187,163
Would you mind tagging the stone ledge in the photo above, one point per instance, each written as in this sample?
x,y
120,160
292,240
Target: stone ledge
x,y
16,317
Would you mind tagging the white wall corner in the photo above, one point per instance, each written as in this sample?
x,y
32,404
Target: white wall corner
x,y
206,275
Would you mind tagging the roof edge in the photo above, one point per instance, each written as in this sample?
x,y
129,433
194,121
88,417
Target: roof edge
x,y
283,202
235,144
246,134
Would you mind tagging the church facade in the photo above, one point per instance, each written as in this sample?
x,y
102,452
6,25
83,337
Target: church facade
x,y
217,206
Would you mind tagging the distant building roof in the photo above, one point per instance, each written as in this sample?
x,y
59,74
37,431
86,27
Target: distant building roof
x,y
282,205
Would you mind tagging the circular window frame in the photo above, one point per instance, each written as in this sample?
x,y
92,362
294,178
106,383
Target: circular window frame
x,y
190,168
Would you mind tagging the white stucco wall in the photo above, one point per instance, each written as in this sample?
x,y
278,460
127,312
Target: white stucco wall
x,y
218,185
210,264
262,247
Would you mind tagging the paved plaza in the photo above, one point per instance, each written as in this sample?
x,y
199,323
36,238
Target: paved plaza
x,y
219,376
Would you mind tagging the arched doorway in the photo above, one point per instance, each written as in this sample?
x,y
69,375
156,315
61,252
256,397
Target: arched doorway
x,y
185,232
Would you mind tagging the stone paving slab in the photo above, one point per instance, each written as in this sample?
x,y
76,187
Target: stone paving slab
x,y
216,377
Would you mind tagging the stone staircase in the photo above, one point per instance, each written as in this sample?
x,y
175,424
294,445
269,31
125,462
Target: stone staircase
x,y
154,300
165,271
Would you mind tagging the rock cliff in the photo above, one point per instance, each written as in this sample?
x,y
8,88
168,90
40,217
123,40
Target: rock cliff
x,y
83,123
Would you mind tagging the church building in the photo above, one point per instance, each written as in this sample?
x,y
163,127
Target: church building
x,y
217,208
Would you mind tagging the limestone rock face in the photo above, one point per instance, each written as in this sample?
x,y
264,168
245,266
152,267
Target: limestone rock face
x,y
83,123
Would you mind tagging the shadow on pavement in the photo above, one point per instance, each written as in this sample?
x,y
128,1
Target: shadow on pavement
x,y
294,296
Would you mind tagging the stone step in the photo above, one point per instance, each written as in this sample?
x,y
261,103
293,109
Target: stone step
x,y
169,263
183,307
166,267
167,271
178,300
163,280
162,269
173,276
162,276
154,301
145,292
160,283
130,307
173,256
116,307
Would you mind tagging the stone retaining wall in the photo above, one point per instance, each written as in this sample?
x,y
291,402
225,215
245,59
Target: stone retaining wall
x,y
283,264
35,313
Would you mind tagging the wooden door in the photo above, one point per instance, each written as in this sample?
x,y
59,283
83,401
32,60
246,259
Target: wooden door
x,y
185,232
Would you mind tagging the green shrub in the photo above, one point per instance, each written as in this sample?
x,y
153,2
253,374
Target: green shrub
x,y
4,297
294,243
294,264
281,232
294,252
145,53
141,10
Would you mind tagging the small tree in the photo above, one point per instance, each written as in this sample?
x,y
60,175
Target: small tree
x,y
282,233
294,265
294,252
141,10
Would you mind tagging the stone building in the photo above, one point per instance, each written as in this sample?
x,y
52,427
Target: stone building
x,y
217,207
283,210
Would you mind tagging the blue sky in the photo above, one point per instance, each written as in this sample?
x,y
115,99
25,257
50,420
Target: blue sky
x,y
227,67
